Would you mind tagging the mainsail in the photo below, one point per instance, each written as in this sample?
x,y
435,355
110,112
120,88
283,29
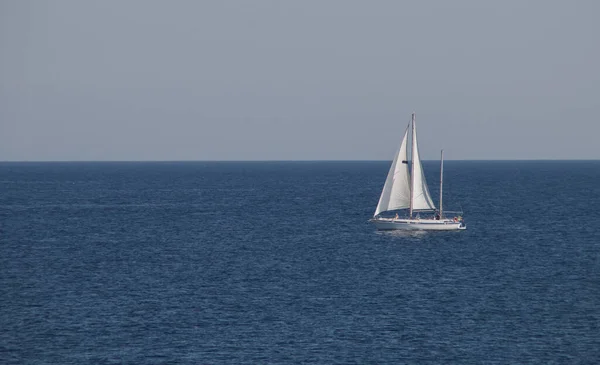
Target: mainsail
x,y
396,191
421,200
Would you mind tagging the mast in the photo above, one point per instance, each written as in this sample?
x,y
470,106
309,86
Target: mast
x,y
441,180
412,166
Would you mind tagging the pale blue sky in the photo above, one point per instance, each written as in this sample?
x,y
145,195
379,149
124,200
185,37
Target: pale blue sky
x,y
316,79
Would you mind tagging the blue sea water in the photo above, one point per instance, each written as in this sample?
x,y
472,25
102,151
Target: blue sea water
x,y
276,263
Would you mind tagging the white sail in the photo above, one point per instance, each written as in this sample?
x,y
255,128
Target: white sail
x,y
421,200
396,191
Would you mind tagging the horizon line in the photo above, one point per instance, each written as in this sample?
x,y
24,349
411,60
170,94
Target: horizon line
x,y
293,160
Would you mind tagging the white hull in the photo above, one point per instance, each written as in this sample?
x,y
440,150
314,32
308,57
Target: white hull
x,y
417,224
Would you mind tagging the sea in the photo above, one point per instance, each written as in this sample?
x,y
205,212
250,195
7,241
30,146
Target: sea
x,y
277,263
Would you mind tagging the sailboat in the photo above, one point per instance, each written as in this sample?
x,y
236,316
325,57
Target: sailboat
x,y
407,190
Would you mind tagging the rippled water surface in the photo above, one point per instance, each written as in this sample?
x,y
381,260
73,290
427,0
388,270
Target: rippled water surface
x,y
276,262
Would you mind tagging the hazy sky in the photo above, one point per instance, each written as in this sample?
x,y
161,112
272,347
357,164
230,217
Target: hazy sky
x,y
278,80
